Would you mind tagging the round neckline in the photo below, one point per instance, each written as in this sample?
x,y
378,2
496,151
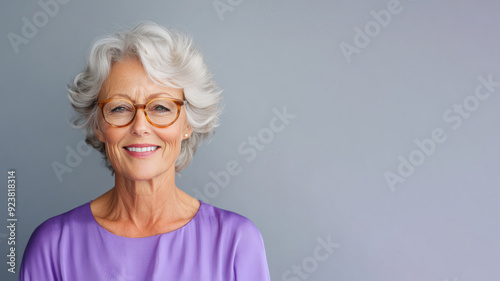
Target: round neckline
x,y
146,237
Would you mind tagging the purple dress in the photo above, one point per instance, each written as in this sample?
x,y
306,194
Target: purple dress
x,y
215,244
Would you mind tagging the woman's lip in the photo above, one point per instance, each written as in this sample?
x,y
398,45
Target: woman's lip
x,y
144,154
141,145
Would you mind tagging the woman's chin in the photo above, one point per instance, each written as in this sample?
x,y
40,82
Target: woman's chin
x,y
141,174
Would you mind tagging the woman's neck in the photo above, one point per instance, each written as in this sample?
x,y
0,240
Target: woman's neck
x,y
149,207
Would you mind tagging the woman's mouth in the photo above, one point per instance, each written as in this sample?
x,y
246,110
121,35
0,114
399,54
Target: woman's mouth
x,y
141,151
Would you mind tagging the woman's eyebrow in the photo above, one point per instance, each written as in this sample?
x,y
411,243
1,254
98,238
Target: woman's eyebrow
x,y
155,95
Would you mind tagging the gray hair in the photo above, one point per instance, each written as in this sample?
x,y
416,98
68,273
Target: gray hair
x,y
170,58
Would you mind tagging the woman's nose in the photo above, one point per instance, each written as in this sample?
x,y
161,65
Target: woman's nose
x,y
140,124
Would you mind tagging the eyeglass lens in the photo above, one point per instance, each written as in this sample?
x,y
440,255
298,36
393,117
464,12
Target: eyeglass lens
x,y
121,112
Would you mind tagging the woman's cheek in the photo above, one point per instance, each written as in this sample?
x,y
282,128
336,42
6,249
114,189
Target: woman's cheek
x,y
114,154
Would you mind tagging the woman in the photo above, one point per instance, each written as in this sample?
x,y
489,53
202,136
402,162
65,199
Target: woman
x,y
147,101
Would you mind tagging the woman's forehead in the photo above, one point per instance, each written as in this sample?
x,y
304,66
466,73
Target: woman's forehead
x,y
128,78
142,98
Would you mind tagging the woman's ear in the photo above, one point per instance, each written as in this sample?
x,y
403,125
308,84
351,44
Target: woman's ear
x,y
98,132
186,133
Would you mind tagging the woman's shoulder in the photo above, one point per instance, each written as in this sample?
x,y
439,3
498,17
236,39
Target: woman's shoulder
x,y
246,243
226,220
41,256
57,225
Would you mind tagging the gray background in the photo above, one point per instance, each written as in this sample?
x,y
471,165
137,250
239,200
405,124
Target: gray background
x,y
322,175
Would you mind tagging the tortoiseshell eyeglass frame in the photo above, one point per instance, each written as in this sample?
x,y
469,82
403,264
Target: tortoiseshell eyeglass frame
x,y
177,102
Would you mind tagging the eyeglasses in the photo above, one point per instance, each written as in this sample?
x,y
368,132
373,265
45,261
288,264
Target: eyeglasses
x,y
160,112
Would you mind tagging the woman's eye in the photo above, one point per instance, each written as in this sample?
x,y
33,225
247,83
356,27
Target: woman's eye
x,y
119,109
160,108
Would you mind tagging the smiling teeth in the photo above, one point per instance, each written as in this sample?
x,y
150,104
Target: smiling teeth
x,y
141,149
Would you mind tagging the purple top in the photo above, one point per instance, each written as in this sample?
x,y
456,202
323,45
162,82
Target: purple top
x,y
215,244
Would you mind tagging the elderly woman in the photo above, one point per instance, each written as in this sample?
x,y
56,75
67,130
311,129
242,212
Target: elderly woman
x,y
147,101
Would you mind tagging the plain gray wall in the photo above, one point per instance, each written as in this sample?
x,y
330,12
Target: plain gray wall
x,y
363,94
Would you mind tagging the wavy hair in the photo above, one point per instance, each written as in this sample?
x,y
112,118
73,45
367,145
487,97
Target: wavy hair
x,y
170,58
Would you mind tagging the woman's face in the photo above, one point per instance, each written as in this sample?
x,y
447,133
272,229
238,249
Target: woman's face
x,y
128,79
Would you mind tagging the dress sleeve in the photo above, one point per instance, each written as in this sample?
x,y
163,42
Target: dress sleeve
x,y
40,256
250,262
